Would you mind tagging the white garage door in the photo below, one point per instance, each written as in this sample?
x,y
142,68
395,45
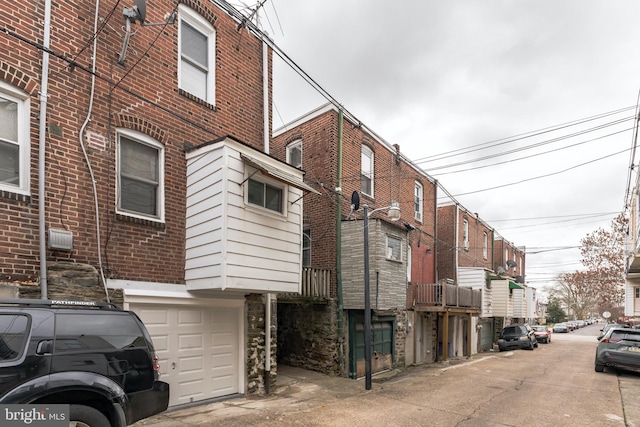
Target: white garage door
x,y
198,348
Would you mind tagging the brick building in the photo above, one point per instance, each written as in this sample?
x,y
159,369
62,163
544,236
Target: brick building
x,y
155,188
323,330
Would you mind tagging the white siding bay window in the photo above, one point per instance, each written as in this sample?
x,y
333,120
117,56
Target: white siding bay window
x,y
14,140
197,47
244,220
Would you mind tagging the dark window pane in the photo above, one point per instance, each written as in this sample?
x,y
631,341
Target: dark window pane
x,y
256,193
273,199
13,335
9,163
96,332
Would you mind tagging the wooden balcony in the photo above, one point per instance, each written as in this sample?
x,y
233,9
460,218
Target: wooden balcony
x,y
445,297
316,284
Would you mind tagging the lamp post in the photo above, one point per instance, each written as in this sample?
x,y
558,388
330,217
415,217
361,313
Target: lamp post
x,y
394,215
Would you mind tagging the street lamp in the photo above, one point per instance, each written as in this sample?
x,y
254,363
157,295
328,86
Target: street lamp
x,y
394,215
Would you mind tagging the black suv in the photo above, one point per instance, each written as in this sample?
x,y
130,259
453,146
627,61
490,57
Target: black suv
x,y
517,336
93,356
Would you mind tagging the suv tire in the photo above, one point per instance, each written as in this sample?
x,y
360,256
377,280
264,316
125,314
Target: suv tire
x,y
83,415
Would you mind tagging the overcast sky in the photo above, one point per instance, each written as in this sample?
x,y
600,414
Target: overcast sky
x,y
483,94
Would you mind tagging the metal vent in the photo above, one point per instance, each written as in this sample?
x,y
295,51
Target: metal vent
x,y
60,239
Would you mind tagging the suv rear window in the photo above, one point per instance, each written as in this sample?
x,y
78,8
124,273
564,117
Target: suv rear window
x,y
79,332
513,330
626,335
13,335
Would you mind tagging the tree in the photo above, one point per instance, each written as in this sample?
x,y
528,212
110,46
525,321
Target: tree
x,y
603,254
555,313
602,283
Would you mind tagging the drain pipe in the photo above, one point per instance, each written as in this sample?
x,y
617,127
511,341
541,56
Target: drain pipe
x,y
265,115
41,148
339,247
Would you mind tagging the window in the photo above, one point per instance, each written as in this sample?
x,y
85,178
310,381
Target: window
x,y
637,292
14,330
140,176
265,195
394,248
196,66
366,174
76,332
465,234
417,201
485,245
306,247
14,140
294,153
409,263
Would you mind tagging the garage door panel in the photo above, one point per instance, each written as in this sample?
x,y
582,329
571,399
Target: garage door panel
x,y
198,347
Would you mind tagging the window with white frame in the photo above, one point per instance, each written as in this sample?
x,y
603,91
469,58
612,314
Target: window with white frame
x,y
140,166
265,195
196,53
394,248
409,263
366,174
294,153
306,247
485,245
465,234
14,140
417,201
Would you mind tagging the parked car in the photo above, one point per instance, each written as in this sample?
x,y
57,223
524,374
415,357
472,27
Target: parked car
x,y
517,336
606,328
93,356
560,328
571,325
542,333
618,348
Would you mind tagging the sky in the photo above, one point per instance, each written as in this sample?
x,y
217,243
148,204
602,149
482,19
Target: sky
x,y
522,110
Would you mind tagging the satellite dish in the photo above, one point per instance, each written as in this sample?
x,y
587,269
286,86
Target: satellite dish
x,y
511,264
355,201
501,270
140,9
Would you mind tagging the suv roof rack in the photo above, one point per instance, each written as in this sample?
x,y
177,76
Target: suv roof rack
x,y
60,303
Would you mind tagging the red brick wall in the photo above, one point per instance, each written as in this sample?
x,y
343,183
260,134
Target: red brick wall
x,y
132,249
392,181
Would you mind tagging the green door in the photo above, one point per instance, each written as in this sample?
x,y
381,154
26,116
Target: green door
x,y
381,345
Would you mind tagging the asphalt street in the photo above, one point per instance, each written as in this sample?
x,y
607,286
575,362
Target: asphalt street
x,y
553,385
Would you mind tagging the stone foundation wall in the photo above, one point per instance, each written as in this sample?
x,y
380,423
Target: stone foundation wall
x,y
256,343
308,335
68,280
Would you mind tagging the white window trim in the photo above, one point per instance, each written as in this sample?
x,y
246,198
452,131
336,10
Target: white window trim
x,y
142,139
465,234
419,189
485,245
24,139
198,22
369,152
256,175
294,144
387,248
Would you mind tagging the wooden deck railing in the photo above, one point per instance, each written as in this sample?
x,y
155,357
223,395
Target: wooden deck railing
x,y
446,295
316,283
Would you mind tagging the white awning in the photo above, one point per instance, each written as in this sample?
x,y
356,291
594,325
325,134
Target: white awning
x,y
277,174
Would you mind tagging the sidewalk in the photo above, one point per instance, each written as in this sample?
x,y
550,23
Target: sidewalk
x,y
296,390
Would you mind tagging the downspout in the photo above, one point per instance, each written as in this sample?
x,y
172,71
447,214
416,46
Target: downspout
x,y
456,248
435,231
41,148
339,245
265,115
